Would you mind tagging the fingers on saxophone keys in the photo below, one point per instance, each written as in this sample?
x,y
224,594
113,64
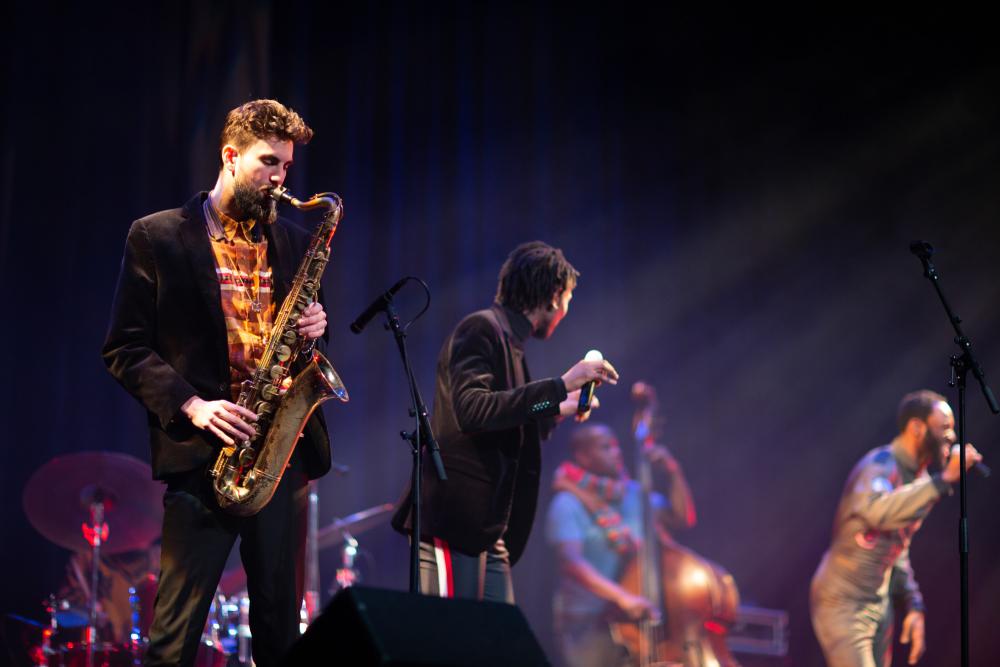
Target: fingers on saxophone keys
x,y
241,411
233,422
312,326
220,435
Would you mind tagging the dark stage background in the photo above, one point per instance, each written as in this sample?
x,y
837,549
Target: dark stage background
x,y
738,191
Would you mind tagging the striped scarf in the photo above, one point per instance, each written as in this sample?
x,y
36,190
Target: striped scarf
x,y
596,492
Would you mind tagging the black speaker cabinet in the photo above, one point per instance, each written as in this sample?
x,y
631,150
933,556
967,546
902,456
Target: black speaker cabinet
x,y
371,626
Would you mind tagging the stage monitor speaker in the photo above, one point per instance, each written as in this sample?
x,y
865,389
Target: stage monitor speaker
x,y
371,626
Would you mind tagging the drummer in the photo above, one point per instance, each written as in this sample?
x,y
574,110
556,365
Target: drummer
x,y
126,586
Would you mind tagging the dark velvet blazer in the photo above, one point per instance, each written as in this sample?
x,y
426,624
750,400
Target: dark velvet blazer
x,y
166,341
489,419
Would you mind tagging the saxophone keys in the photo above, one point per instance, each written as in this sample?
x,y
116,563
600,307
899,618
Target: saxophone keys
x,y
282,354
247,455
269,391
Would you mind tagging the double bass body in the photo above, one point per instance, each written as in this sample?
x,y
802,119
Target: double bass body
x,y
697,598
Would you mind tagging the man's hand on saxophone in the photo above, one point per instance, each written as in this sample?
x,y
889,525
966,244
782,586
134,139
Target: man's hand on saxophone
x,y
225,419
312,324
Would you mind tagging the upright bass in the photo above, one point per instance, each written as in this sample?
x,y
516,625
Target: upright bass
x,y
694,600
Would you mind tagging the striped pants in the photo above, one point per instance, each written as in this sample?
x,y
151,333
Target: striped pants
x,y
447,573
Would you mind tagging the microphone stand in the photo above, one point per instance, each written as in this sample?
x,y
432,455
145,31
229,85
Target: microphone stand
x,y
310,598
961,364
420,435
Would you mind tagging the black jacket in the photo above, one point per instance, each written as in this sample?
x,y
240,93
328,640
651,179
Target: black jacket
x,y
489,419
166,341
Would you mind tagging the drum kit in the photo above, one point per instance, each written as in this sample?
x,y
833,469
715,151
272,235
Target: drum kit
x,y
106,508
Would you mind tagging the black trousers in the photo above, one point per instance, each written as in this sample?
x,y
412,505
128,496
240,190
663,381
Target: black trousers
x,y
197,539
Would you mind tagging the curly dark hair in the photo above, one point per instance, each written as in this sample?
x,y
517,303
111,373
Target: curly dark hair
x,y
917,405
263,119
533,273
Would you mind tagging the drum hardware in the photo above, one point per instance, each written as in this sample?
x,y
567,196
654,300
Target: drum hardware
x,y
96,533
310,597
102,504
348,574
341,532
356,524
46,648
225,641
243,632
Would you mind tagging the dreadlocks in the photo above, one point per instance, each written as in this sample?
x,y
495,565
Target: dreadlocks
x,y
532,274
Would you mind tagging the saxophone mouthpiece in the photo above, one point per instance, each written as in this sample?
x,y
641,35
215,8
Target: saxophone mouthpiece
x,y
280,194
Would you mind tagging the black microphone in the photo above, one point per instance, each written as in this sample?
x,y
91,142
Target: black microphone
x,y
980,468
587,391
922,249
377,306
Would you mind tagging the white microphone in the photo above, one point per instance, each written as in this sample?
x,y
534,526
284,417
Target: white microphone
x,y
587,391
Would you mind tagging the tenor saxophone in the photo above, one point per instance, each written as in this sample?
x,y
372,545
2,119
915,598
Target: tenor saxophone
x,y
247,474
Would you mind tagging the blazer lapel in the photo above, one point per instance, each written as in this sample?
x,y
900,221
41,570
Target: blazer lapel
x,y
194,237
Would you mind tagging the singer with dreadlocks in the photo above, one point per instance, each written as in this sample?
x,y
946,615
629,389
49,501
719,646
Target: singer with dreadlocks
x,y
490,418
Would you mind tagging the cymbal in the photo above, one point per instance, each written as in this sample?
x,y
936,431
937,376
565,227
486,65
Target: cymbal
x,y
354,524
57,500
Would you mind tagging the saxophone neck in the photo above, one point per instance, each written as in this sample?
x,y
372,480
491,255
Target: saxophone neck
x,y
328,200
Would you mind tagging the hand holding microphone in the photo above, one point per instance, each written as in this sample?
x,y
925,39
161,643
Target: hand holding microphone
x,y
587,391
585,376
973,461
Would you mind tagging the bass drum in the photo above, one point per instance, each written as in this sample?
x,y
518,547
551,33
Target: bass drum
x,y
105,654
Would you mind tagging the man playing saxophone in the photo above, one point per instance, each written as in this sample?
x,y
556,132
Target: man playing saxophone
x,y
192,311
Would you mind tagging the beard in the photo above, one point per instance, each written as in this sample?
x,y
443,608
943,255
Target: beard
x,y
254,204
934,450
